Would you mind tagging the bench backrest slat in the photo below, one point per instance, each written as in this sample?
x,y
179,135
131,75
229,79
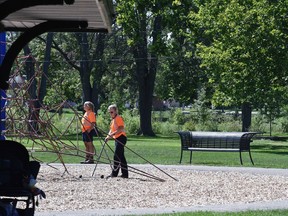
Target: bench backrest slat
x,y
231,140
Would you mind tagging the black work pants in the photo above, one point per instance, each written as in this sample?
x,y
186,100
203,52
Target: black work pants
x,y
119,157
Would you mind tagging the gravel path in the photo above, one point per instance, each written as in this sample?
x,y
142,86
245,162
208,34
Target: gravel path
x,y
197,187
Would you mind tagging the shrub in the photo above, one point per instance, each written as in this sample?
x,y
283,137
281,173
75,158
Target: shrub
x,y
189,126
229,123
165,128
207,126
178,117
103,124
132,121
284,124
230,126
259,123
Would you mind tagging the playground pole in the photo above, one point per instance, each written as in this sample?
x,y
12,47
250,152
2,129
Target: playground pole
x,y
3,92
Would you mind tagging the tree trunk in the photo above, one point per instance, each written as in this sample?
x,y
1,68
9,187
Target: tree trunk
x,y
33,104
146,85
246,116
85,71
47,58
91,91
146,72
99,68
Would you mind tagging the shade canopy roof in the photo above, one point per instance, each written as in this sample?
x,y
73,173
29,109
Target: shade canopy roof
x,y
97,13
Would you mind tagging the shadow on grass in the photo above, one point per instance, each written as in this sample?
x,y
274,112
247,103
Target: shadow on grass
x,y
273,152
271,149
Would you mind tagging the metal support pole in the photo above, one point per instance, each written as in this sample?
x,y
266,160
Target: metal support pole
x,y
3,92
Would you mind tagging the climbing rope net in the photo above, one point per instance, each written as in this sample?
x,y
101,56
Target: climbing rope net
x,y
30,121
33,124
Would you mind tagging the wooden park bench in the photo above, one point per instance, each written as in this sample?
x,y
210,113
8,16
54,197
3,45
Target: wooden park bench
x,y
216,141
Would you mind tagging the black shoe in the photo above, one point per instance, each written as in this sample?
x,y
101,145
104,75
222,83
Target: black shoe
x,y
124,176
90,162
42,194
87,162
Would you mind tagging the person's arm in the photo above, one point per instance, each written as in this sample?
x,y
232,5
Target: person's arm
x,y
108,136
111,134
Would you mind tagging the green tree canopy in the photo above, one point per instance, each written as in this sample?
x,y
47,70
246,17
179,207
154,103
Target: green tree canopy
x,y
246,54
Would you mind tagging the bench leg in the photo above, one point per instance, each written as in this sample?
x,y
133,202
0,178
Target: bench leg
x,y
251,157
181,156
241,158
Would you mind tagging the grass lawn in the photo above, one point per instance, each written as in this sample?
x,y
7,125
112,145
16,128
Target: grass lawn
x,y
166,150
